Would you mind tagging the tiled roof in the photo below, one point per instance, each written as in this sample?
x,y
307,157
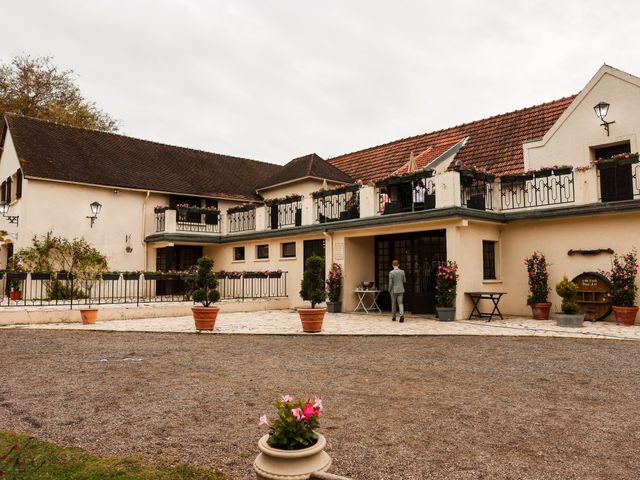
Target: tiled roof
x,y
428,156
59,152
495,143
308,166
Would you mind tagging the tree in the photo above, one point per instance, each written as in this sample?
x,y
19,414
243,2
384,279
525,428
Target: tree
x,y
206,283
35,87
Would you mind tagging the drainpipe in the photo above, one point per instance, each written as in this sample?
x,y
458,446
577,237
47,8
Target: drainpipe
x,y
329,236
144,217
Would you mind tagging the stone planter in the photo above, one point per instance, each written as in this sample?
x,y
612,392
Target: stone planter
x,y
205,317
89,315
446,314
541,310
276,464
569,320
311,319
334,307
625,315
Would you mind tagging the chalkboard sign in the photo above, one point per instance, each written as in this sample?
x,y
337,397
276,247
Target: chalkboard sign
x,y
594,295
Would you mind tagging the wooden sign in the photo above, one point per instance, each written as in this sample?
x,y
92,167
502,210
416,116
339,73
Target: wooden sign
x,y
594,295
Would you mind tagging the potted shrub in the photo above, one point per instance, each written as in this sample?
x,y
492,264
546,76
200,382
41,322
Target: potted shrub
x,y
334,288
292,449
312,289
446,286
568,316
538,286
89,266
205,293
623,287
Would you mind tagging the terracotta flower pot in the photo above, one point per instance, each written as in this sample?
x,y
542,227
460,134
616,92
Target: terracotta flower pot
x,y
625,315
17,295
311,319
541,310
205,317
89,315
276,464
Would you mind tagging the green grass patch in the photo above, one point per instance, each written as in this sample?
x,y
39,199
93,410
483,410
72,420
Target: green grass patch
x,y
47,461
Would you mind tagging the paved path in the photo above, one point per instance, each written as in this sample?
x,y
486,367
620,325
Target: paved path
x,y
286,322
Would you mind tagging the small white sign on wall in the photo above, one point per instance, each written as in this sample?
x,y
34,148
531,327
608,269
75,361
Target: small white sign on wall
x,y
338,251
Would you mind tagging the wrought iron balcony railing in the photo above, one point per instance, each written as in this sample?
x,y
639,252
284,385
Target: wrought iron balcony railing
x,y
284,214
338,204
476,190
242,219
538,189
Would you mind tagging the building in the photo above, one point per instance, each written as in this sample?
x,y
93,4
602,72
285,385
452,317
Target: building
x,y
486,194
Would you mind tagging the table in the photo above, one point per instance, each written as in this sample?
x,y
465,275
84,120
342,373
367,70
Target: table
x,y
493,296
373,305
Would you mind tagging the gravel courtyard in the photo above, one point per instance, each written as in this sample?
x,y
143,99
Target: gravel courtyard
x,y
395,407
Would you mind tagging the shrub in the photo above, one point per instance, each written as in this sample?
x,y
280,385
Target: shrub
x,y
334,283
623,279
206,284
447,284
60,291
312,285
538,278
568,291
295,425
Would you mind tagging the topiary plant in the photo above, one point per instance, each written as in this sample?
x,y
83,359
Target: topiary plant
x,y
312,286
568,291
206,283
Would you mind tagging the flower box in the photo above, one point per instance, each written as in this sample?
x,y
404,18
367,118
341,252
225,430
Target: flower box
x,y
516,178
563,171
17,275
275,274
160,209
41,276
64,276
153,276
543,173
130,276
111,276
187,277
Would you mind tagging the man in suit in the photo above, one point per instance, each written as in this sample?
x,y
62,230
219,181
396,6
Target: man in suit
x,y
397,280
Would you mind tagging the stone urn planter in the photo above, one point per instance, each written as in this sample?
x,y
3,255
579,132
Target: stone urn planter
x,y
446,314
541,310
275,464
205,317
569,320
334,307
311,319
625,315
89,315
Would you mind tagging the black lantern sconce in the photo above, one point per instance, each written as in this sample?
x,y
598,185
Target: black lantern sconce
x,y
95,210
4,209
601,109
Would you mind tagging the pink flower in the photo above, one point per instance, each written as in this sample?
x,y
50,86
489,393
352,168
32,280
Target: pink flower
x,y
297,412
263,420
286,398
308,411
318,403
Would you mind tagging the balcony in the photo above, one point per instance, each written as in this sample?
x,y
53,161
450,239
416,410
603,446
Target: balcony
x,y
618,178
476,190
407,193
242,219
284,213
198,220
338,204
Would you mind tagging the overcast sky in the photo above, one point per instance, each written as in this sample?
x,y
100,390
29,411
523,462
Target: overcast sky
x,y
272,80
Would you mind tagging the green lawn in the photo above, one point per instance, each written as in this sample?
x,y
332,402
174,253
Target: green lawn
x,y
76,464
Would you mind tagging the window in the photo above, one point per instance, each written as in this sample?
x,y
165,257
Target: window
x,y
289,250
489,260
262,251
8,192
616,179
238,253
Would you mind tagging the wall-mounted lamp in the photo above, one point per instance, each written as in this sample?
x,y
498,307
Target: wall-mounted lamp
x,y
95,210
601,110
4,208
